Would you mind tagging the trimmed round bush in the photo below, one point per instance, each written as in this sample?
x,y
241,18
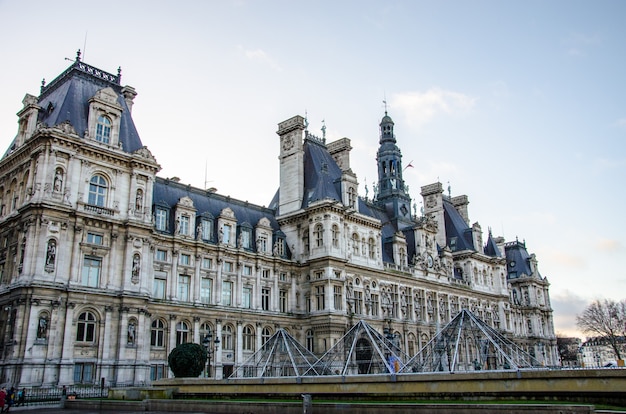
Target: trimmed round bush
x,y
187,360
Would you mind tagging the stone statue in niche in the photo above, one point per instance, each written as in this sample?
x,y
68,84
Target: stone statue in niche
x,y
51,253
58,180
131,333
136,268
42,328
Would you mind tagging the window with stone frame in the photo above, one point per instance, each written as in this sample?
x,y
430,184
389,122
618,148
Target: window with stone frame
x,y
157,333
182,333
86,327
98,191
335,235
161,219
227,293
206,288
103,129
248,338
92,266
184,285
318,235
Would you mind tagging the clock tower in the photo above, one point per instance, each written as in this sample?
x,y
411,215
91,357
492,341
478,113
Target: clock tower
x,y
391,191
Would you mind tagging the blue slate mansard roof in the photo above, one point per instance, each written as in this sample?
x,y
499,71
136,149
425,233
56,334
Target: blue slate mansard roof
x,y
167,193
517,259
456,228
322,175
67,97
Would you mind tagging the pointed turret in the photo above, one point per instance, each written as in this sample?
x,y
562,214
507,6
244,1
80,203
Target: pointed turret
x,y
391,189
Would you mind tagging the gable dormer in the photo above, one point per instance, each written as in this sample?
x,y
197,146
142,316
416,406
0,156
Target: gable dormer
x,y
185,217
105,115
227,227
27,118
263,234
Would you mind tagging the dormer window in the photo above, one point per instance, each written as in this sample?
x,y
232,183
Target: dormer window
x,y
161,219
103,129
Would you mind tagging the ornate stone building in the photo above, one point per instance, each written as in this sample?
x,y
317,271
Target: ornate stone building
x,y
105,267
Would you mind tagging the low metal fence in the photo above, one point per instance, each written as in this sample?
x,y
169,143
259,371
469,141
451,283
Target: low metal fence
x,y
50,395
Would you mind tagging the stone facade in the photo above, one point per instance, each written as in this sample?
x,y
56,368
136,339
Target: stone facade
x,y
105,267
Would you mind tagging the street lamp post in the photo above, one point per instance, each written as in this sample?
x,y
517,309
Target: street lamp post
x,y
210,345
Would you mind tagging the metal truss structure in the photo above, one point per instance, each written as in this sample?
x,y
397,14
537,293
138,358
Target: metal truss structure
x,y
468,344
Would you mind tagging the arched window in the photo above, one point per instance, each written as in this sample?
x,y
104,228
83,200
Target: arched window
x,y
157,333
266,334
310,343
318,234
97,191
86,327
248,338
355,244
372,248
103,129
227,338
335,235
182,333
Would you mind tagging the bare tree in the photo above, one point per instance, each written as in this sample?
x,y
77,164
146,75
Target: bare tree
x,y
606,319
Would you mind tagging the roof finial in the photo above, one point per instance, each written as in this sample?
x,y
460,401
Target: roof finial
x,y
78,55
323,130
306,120
385,103
449,190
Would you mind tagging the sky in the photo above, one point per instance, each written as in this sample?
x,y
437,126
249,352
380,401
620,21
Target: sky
x,y
520,105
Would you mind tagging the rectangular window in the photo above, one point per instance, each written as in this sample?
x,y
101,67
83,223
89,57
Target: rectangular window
x,y
338,296
206,286
247,270
93,238
183,287
263,242
228,267
184,225
84,373
227,293
91,271
319,296
358,303
207,263
226,228
161,219
207,230
375,305
161,255
265,273
247,297
185,259
246,239
159,285
283,277
265,298
282,301
157,372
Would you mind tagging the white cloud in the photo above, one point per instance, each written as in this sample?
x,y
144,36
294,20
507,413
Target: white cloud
x,y
259,55
421,107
